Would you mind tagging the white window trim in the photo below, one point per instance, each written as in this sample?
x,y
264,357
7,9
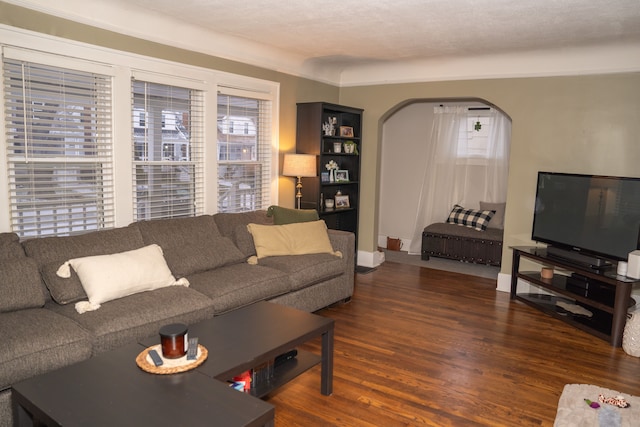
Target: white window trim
x,y
122,66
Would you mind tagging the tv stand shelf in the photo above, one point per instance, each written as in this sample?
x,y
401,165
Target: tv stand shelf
x,y
608,303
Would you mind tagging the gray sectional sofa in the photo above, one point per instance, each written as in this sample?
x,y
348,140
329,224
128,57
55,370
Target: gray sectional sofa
x,y
41,330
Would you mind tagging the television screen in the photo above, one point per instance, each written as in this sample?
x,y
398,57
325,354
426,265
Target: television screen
x,y
596,214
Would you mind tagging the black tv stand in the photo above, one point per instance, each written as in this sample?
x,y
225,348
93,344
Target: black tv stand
x,y
606,296
581,259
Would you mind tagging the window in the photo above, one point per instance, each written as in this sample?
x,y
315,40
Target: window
x,y
59,159
244,153
96,138
167,151
474,135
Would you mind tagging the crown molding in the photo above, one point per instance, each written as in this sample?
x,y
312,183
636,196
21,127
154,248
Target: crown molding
x,y
136,22
601,59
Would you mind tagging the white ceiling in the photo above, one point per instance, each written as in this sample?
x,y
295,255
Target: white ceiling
x,y
338,40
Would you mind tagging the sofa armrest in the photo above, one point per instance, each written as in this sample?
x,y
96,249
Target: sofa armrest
x,y
345,242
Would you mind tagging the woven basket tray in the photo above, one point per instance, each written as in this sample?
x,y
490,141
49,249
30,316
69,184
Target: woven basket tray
x,y
170,366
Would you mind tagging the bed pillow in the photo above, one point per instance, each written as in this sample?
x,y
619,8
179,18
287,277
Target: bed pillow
x,y
498,219
291,239
108,277
283,216
470,218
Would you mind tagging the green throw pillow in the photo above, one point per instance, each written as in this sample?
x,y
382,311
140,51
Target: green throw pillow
x,y
283,216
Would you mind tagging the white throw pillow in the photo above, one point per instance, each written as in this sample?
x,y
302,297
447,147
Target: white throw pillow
x,y
108,277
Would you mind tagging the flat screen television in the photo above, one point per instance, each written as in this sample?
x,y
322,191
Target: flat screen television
x,y
588,214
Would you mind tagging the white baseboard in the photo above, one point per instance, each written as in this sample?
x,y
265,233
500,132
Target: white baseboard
x,y
504,282
370,259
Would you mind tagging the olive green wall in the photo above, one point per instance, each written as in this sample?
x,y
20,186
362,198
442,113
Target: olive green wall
x,y
292,89
582,124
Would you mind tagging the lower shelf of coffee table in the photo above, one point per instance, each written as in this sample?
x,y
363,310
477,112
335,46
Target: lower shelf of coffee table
x,y
286,372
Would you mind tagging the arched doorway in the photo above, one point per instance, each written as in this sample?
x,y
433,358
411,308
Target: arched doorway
x,y
406,130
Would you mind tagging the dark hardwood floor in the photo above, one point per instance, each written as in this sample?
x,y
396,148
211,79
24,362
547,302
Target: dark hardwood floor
x,y
417,346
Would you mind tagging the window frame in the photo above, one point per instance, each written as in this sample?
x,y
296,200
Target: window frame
x,y
468,131
63,158
197,141
265,157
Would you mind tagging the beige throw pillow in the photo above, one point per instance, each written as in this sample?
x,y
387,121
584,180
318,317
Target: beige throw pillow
x,y
291,239
108,277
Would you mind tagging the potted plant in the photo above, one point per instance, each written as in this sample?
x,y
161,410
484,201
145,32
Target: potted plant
x,y
350,147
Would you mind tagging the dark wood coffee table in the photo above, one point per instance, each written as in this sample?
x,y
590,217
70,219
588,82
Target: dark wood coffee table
x,y
245,338
109,389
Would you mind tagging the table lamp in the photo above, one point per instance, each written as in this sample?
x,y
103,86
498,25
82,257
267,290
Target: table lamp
x,y
299,166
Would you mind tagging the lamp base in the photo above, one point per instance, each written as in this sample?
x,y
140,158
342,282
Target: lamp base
x,y
299,192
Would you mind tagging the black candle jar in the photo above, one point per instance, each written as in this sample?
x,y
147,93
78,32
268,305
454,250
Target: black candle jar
x,y
173,340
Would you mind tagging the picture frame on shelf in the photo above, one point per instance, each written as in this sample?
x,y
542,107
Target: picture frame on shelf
x,y
324,177
342,201
342,175
346,131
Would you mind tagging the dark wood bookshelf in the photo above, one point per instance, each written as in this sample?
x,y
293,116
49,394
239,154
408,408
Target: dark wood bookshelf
x,y
311,139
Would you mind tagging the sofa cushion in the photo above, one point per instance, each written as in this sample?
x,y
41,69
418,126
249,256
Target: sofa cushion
x,y
191,245
62,290
291,239
306,270
446,229
237,285
137,316
51,252
289,216
108,277
37,340
188,259
10,246
244,241
20,285
497,221
234,226
470,217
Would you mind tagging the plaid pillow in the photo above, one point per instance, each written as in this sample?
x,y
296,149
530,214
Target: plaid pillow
x,y
470,218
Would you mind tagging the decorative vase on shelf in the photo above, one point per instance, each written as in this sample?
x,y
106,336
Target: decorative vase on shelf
x,y
329,127
350,147
331,166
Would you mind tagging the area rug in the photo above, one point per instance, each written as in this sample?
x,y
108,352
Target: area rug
x,y
574,411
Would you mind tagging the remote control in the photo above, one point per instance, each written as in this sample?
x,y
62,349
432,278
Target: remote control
x,y
192,351
157,360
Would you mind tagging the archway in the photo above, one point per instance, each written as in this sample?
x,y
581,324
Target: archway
x,y
404,130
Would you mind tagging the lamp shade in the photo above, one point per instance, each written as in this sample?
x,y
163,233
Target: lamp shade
x,y
299,165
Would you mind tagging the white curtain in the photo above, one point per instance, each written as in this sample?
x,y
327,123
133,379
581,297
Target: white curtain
x,y
453,176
